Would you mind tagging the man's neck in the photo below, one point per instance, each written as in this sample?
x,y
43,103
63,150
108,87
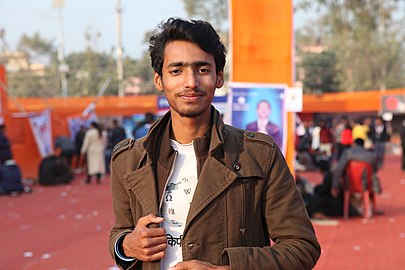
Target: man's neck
x,y
264,120
186,129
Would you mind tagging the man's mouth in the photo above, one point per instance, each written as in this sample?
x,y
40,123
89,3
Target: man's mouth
x,y
191,95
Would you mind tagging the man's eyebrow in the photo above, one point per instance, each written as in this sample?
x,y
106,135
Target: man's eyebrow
x,y
188,64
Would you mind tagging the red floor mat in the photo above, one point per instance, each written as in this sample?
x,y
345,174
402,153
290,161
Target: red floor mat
x,y
376,244
67,227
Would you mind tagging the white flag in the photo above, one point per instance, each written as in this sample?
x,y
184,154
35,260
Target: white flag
x,y
42,130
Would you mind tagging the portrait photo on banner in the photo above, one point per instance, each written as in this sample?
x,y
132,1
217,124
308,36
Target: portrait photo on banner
x,y
259,107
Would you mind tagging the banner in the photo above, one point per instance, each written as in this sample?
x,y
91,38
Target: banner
x,y
261,108
162,105
42,130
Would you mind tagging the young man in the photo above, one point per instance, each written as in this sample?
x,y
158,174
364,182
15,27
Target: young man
x,y
196,193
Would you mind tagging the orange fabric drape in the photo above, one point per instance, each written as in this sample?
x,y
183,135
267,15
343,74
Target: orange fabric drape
x,y
3,91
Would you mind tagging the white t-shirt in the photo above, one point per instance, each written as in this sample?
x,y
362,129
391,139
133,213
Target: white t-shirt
x,y
177,199
262,125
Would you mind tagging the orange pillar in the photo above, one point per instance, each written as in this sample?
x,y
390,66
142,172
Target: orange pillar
x,y
262,48
3,91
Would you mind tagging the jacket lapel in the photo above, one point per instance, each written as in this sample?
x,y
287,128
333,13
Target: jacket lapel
x,y
143,185
208,190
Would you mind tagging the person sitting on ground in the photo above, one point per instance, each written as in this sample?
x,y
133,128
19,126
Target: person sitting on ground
x,y
10,178
305,160
67,148
5,148
324,204
54,170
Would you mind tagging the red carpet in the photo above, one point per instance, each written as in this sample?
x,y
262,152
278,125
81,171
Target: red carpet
x,y
67,227
374,245
61,227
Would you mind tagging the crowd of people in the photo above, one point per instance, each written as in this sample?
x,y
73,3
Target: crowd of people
x,y
326,146
329,146
91,149
88,152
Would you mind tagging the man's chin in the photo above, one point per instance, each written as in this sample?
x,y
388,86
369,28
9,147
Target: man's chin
x,y
191,113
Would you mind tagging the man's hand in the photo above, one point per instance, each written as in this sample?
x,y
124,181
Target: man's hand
x,y
198,265
144,243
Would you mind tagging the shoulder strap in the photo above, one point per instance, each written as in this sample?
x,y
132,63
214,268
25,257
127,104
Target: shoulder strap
x,y
121,147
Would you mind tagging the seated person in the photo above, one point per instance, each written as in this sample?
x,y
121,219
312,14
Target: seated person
x,y
66,147
306,161
320,203
10,178
54,170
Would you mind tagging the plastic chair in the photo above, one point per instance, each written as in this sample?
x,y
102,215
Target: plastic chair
x,y
358,180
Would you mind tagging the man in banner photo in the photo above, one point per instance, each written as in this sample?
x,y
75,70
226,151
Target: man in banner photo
x,y
260,108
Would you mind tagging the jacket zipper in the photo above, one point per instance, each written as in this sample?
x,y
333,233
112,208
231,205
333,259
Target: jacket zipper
x,y
242,228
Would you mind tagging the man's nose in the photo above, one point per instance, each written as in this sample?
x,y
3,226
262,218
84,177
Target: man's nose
x,y
191,79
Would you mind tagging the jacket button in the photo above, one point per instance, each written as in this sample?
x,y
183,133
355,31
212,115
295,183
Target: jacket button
x,y
250,134
191,245
236,166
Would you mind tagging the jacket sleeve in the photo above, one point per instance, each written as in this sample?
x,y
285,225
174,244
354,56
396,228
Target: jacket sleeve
x,y
288,225
124,223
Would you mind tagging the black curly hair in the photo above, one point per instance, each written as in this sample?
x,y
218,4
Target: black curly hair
x,y
198,32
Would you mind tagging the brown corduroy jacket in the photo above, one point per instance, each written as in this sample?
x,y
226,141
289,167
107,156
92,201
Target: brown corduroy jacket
x,y
245,196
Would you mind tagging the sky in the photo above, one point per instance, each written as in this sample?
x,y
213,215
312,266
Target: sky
x,y
18,17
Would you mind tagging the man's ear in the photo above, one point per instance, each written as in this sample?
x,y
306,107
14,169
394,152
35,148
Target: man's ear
x,y
157,79
220,79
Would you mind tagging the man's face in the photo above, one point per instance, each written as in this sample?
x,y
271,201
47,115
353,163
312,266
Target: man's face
x,y
189,79
263,110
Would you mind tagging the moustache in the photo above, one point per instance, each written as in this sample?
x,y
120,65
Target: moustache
x,y
192,92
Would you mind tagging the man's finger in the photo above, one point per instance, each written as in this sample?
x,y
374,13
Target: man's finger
x,y
155,249
154,257
193,264
150,219
153,241
153,233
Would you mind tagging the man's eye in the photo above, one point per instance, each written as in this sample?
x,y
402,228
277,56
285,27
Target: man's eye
x,y
203,70
175,72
